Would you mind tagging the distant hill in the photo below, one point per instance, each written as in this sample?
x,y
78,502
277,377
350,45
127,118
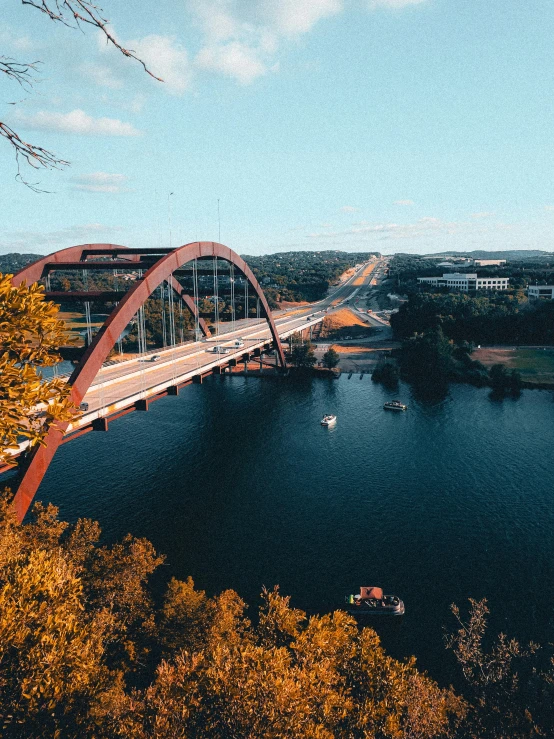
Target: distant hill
x,y
10,263
511,255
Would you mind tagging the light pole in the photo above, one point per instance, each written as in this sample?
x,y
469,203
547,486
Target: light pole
x,y
169,216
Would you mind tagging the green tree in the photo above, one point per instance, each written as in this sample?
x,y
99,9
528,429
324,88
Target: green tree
x,y
386,373
427,358
331,358
302,355
30,335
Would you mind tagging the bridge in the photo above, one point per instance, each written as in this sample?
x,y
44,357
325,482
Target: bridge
x,y
104,390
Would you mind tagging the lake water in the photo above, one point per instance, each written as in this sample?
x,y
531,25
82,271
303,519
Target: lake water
x,y
239,485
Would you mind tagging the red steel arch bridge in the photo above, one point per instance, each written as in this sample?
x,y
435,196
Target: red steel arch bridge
x,y
179,276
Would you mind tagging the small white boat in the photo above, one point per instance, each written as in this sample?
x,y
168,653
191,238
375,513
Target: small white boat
x,y
328,420
395,405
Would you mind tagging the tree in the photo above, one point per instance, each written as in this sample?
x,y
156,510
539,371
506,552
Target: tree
x,y
302,355
73,14
84,652
331,358
504,382
427,357
30,335
386,373
509,689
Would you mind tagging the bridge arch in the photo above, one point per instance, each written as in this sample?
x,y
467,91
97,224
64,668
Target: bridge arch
x,y
96,354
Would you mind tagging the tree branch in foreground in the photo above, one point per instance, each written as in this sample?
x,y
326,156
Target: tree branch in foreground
x,y
74,12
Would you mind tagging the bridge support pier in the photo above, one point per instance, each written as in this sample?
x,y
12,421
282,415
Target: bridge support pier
x,y
173,390
100,424
198,379
142,405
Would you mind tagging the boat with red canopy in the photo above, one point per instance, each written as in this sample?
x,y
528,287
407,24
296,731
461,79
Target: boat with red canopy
x,y
372,601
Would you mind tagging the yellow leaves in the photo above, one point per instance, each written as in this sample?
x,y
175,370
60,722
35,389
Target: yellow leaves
x,y
77,621
30,335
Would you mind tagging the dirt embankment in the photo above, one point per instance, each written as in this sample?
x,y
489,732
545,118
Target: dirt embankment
x,y
340,319
367,271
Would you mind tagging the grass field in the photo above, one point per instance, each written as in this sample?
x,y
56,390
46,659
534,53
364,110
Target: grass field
x,y
535,365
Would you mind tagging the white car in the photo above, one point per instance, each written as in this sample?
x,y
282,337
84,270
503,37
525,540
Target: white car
x,y
219,350
238,343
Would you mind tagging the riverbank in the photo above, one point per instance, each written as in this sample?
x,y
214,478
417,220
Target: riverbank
x,y
535,364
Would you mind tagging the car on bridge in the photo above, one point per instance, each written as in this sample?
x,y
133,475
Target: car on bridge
x,y
219,350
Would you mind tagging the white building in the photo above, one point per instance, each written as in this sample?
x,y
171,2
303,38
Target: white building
x,y
466,282
489,262
537,292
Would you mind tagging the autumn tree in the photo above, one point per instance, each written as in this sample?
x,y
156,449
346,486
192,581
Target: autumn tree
x,y
509,686
86,652
30,335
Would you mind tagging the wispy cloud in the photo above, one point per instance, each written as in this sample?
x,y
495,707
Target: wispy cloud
x,y
11,39
549,207
77,122
102,182
102,75
484,214
167,59
43,242
404,202
241,40
349,209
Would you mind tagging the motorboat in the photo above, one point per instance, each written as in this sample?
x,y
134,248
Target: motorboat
x,y
371,601
328,420
395,405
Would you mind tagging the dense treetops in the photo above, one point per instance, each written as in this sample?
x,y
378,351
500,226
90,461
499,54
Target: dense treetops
x,y
85,652
492,319
301,275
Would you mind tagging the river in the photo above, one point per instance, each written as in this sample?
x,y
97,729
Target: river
x,y
239,485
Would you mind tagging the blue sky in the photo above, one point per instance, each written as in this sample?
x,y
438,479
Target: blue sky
x,y
389,125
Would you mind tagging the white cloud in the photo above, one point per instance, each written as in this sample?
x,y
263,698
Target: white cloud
x,y
101,182
235,60
77,122
166,58
349,209
549,207
242,39
404,202
102,75
19,42
483,214
293,17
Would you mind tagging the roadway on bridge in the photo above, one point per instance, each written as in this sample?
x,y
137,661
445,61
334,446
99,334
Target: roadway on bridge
x,y
139,376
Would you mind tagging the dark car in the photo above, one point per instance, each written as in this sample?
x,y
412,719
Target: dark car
x,y
83,407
